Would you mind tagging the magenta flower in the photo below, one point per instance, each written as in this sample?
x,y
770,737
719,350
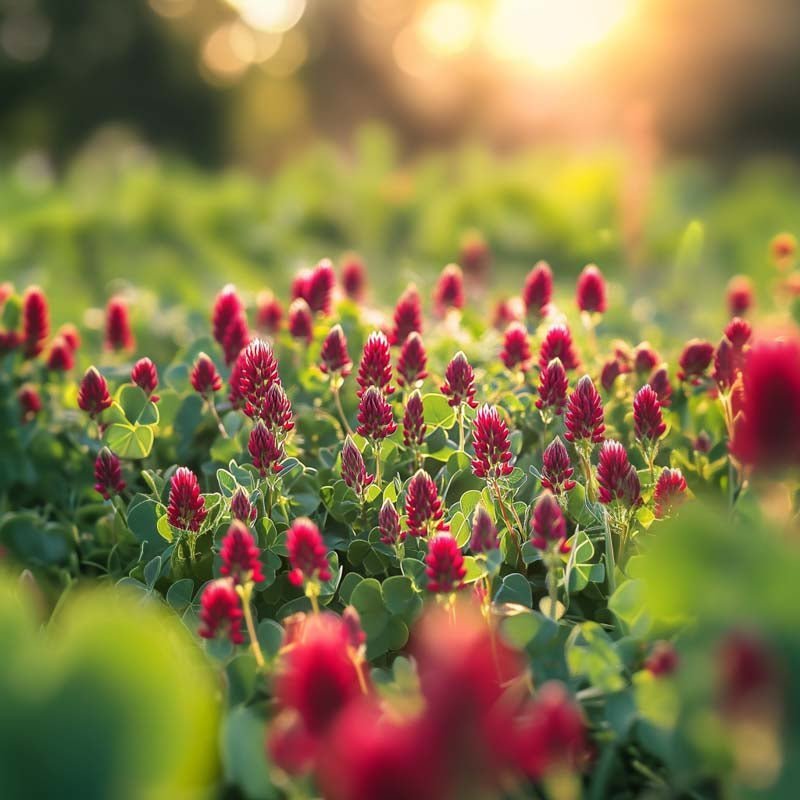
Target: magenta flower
x,y
556,468
648,422
240,555
407,316
412,361
645,359
558,344
264,449
375,368
353,277
459,382
423,506
375,418
301,320
694,360
590,291
204,376
414,421
739,332
616,477
61,357
484,532
335,360
538,290
492,446
553,383
229,323
354,470
389,523
516,352
187,508
449,290
257,370
584,414
30,404
35,322
611,370
548,525
107,474
307,553
145,375
93,396
269,312
739,295
319,287
241,507
659,382
276,413
220,611
669,493
445,564
118,326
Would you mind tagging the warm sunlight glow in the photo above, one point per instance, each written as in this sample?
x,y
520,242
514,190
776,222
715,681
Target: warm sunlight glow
x,y
447,28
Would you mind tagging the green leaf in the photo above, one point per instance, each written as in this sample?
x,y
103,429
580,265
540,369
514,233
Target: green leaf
x,y
137,407
515,589
459,529
129,441
368,601
437,412
243,754
164,528
227,483
270,637
151,571
591,655
179,595
469,502
628,603
400,596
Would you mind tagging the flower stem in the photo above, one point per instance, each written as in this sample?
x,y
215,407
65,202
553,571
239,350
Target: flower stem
x,y
213,409
511,531
609,556
245,593
552,590
461,436
338,400
376,449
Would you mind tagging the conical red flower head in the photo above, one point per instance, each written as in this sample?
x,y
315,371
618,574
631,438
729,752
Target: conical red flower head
x,y
389,523
61,357
548,525
9,340
354,470
669,493
35,321
516,352
241,507
277,411
694,360
240,555
375,418
459,382
740,295
484,532
659,381
301,320
492,445
204,376
257,370
556,468
553,384
767,434
423,506
93,396
749,679
319,288
412,362
662,661
645,359
375,368
407,315
449,290
726,364
739,332
616,477
30,404
107,474
506,311
71,336
590,292
187,507
118,326
445,564
229,323
264,449
220,611
334,357
609,373
353,277
308,555
414,427
558,344
269,312
648,422
145,375
474,254
300,284
538,290
584,415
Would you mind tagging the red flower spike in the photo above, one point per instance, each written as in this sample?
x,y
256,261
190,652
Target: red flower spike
x,y
556,468
375,418
492,446
645,359
584,414
659,382
725,364
423,506
187,507
538,290
516,352
414,428
301,320
548,525
739,295
235,394
590,291
118,326
739,332
319,288
748,674
93,396
276,412
264,449
204,376
558,344
241,507
229,323
445,564
221,612
61,357
616,477
145,375
449,291
35,322
107,474
694,360
237,337
353,632
662,661
354,470
9,340
407,316
257,370
269,312
669,493
375,368
553,384
300,284
308,555
412,361
30,403
389,523
609,373
71,336
334,357
353,280
459,382
507,311
240,555
648,422
484,532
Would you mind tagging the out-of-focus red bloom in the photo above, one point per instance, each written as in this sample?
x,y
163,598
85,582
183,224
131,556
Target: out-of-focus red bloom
x,y
220,611
241,507
71,336
301,320
353,632
30,403
307,553
662,661
290,746
516,352
445,564
484,532
9,340
375,418
548,524
584,414
449,290
492,446
204,376
739,295
145,375
118,326
187,507
783,248
648,422
645,358
235,394
616,477
556,468
412,361
269,312
725,364
229,323
702,443
375,368
424,511
669,493
659,381
300,284
767,434
353,280
264,449
694,360
557,343
459,382
319,288
590,291
609,373
354,470
276,413
257,370
35,321
335,360
389,523
240,555
61,357
475,255
407,315
414,427
506,311
93,396
748,674
538,290
739,332
107,474
553,384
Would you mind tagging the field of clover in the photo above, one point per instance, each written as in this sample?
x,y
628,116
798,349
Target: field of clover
x,y
441,550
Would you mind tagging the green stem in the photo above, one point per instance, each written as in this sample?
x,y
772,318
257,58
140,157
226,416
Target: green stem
x,y
461,436
213,409
609,556
244,593
338,400
376,449
552,590
511,531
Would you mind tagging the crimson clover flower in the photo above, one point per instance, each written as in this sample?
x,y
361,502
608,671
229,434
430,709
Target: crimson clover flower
x,y
584,415
449,290
669,493
220,611
375,368
445,564
240,555
492,445
548,524
412,361
556,468
307,553
484,532
334,358
204,376
107,474
354,470
145,375
558,343
459,382
93,396
590,290
187,507
118,326
414,427
553,384
375,418
537,291
35,321
407,316
264,449
424,512
516,352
